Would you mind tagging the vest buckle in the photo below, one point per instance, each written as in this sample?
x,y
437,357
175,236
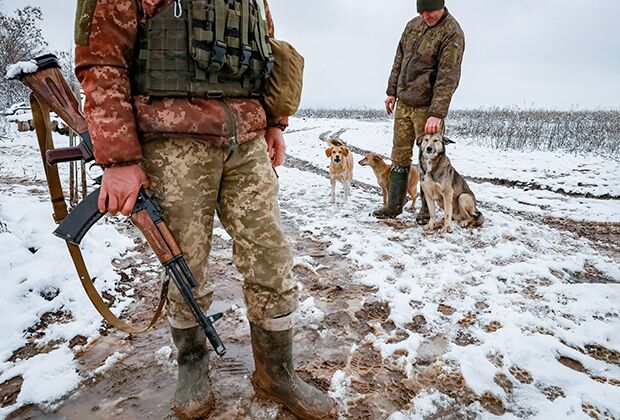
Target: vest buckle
x,y
218,56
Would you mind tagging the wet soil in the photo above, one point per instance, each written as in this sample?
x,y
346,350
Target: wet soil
x,y
141,384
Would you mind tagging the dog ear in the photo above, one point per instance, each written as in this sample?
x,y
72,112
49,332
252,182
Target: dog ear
x,y
418,141
446,140
345,151
328,151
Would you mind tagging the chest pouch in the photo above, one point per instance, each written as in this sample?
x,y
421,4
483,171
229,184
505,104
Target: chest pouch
x,y
205,48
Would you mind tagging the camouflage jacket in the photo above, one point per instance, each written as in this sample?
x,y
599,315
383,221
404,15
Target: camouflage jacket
x,y
427,66
106,34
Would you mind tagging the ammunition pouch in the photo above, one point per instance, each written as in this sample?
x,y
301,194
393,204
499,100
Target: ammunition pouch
x,y
215,48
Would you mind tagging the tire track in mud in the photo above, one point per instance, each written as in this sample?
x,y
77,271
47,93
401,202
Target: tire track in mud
x,y
527,186
304,165
602,235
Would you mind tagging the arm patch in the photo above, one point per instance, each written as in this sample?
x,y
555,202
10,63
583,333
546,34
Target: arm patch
x,y
453,54
83,20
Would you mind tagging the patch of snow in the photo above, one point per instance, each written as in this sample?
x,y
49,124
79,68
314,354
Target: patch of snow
x,y
163,356
47,377
22,67
308,314
109,362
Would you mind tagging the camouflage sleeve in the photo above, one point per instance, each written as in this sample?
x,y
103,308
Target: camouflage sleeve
x,y
398,61
270,27
105,35
448,75
273,120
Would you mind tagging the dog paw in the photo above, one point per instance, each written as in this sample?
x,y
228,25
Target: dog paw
x,y
446,229
430,226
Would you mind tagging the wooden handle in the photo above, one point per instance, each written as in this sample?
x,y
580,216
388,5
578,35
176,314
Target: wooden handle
x,y
52,88
63,154
152,235
169,238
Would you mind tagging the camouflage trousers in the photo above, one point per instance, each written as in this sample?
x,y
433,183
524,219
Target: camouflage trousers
x,y
409,124
193,180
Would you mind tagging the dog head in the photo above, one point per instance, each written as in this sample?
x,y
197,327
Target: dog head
x,y
371,159
337,153
433,145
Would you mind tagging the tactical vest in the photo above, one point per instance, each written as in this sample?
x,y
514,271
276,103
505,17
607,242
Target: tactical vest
x,y
204,48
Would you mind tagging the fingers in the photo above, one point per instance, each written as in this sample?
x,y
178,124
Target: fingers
x,y
389,105
130,203
102,201
119,189
428,128
112,204
145,181
431,127
279,153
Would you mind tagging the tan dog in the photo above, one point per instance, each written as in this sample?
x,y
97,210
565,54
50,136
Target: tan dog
x,y
444,186
340,167
382,172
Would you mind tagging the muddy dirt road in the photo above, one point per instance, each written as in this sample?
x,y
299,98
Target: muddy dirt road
x,y
140,384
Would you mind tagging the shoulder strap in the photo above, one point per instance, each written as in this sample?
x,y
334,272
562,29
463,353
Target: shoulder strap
x,y
41,116
262,32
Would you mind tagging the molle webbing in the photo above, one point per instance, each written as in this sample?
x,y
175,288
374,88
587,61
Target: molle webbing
x,y
216,48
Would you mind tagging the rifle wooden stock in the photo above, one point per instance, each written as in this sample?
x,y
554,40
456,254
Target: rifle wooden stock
x,y
49,85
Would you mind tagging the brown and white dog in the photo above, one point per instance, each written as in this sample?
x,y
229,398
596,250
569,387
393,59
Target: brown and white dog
x,y
443,186
382,172
340,167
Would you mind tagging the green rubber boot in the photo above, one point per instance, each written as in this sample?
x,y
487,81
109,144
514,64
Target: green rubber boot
x,y
399,177
275,378
193,398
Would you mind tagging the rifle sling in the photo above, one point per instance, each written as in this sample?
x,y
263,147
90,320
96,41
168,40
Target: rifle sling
x,y
41,116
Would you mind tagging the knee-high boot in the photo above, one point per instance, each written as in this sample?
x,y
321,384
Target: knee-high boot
x,y
193,397
275,378
399,178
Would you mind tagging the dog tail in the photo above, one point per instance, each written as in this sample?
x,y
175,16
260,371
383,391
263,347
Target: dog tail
x,y
335,142
478,218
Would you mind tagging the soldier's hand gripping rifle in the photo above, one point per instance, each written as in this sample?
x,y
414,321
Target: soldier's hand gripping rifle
x,y
50,87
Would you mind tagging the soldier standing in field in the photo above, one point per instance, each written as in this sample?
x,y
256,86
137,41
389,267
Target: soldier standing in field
x,y
425,75
172,100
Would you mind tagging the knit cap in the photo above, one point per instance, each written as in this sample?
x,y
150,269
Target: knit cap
x,y
430,5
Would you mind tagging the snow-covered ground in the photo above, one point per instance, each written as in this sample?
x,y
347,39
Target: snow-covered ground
x,y
41,294
514,288
553,172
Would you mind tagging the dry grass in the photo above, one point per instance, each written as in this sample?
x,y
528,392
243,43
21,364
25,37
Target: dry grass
x,y
513,128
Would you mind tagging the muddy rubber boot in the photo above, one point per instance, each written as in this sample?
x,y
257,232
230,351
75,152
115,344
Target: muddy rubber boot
x,y
399,178
275,378
423,216
193,398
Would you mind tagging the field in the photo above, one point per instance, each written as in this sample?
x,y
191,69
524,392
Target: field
x,y
518,318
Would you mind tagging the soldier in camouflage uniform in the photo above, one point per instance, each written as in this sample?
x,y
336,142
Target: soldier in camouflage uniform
x,y
425,74
174,103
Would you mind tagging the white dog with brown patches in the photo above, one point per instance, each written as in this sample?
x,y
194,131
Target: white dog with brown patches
x,y
340,167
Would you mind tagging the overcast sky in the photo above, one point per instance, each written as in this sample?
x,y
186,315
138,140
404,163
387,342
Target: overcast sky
x,y
557,54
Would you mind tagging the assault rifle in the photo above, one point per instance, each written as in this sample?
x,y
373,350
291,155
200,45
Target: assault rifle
x,y
50,87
